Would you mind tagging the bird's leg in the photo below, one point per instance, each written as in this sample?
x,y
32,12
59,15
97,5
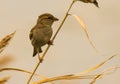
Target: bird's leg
x,y
50,42
40,59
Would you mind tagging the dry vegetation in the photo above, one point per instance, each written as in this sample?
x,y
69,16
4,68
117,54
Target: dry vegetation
x,y
3,80
81,75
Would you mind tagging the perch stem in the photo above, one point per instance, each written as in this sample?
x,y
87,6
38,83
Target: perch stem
x,y
39,62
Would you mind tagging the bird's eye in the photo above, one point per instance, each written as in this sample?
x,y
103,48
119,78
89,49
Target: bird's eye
x,y
50,17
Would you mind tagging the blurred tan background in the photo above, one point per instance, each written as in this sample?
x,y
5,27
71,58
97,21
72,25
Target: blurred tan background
x,y
71,53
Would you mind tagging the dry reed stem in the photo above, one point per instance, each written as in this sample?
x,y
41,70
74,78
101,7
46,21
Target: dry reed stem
x,y
65,77
96,78
44,54
5,41
86,32
74,76
97,66
4,80
81,75
21,70
105,72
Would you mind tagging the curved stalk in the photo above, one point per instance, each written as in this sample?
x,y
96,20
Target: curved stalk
x,y
44,54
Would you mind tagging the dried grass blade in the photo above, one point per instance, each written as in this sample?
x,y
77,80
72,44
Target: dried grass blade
x,y
85,30
105,72
4,80
110,70
96,67
21,70
96,78
65,77
5,41
74,76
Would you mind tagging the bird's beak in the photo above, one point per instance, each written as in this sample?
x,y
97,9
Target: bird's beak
x,y
55,19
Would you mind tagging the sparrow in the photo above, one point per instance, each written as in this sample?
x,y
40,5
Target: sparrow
x,y
41,33
90,1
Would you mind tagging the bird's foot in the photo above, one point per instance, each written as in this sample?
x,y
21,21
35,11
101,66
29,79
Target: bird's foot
x,y
50,42
40,59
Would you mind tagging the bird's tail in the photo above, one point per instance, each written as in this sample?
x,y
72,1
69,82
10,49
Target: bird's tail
x,y
37,50
96,3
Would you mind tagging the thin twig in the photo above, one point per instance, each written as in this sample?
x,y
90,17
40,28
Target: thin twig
x,y
65,77
78,76
25,71
66,15
4,80
38,64
20,70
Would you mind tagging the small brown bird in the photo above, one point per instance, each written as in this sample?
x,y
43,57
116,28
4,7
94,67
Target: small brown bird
x,y
90,1
41,33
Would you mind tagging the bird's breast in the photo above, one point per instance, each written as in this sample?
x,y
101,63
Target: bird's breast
x,y
42,36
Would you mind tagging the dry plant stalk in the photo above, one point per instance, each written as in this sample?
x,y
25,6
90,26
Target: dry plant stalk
x,y
65,77
80,75
5,41
21,70
105,72
97,66
4,80
85,30
44,54
96,78
74,76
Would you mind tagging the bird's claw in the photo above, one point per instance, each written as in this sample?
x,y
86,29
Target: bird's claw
x,y
40,59
50,43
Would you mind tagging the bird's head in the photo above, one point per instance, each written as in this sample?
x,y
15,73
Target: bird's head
x,y
47,19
